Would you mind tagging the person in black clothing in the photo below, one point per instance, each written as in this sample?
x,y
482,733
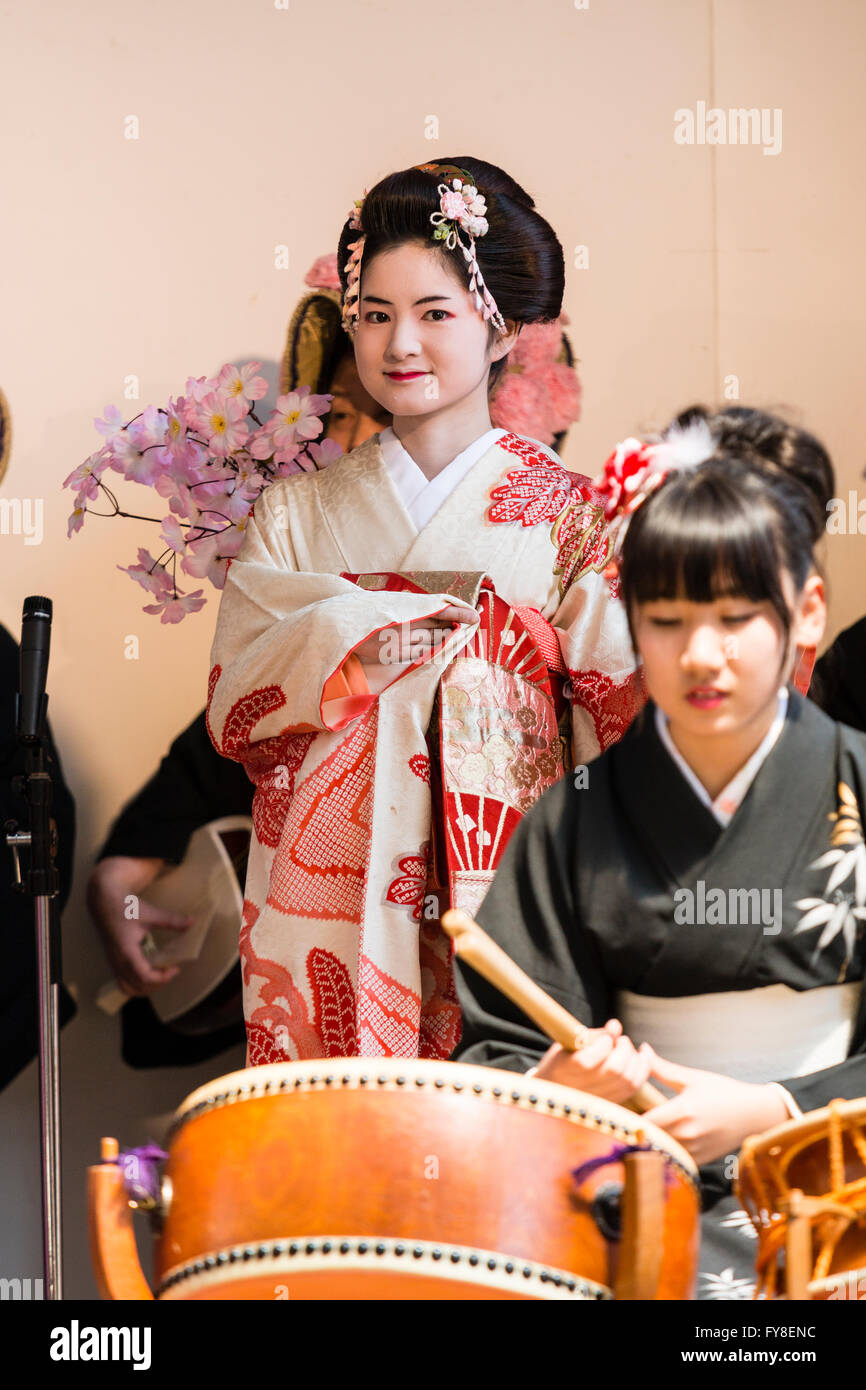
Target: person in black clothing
x,y
19,1011
193,785
839,681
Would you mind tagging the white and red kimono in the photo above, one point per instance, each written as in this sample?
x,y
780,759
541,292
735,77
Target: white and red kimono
x,y
385,794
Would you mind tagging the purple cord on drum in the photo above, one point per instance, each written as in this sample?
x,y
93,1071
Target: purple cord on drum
x,y
140,1176
614,1155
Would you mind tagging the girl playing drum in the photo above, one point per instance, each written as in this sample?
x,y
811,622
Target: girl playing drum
x,y
697,894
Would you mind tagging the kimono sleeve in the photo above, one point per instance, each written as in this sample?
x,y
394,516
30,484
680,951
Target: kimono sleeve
x,y
606,687
846,1081
531,913
191,786
282,659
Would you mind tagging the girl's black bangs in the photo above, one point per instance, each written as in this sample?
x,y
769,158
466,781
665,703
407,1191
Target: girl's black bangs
x,y
701,542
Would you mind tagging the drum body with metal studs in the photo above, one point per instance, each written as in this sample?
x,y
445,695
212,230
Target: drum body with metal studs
x,y
393,1179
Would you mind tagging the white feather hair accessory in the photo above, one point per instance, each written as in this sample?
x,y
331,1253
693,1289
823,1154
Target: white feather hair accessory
x,y
684,446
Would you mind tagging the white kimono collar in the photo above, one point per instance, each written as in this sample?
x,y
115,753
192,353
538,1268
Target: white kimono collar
x,y
421,496
729,798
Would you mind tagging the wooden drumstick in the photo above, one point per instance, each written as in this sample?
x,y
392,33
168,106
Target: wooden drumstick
x,y
479,950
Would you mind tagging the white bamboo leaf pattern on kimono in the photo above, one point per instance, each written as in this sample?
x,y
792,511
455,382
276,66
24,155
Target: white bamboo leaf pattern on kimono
x,y
846,909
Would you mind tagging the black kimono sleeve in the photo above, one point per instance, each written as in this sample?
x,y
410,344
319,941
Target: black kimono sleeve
x,y
193,785
530,912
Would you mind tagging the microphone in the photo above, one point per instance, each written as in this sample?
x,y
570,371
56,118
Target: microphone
x,y
33,670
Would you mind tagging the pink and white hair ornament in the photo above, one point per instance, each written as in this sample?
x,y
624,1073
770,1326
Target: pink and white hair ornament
x,y
462,209
458,220
352,268
636,468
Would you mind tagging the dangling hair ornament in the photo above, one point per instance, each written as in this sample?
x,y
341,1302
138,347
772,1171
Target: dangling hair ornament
x,y
353,269
635,469
461,209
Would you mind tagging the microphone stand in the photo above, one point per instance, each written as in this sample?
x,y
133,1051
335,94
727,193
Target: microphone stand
x,y
41,882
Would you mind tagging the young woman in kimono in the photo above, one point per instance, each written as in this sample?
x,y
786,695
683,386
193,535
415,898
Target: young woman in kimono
x,y
413,644
698,898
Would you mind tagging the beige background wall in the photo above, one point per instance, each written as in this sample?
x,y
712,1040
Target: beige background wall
x,y
258,126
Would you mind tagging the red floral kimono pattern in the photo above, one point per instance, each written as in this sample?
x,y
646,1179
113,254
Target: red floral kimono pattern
x,y
542,491
498,734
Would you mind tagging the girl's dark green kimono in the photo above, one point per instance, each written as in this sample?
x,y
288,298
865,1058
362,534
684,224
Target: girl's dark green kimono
x,y
609,887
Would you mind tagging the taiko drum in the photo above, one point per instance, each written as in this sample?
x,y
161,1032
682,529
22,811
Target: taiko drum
x,y
371,1178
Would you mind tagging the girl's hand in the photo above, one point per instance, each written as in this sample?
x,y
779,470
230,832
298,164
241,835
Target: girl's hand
x,y
607,1065
113,880
711,1115
408,641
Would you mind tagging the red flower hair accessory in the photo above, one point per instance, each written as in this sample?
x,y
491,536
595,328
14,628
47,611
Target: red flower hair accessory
x,y
635,469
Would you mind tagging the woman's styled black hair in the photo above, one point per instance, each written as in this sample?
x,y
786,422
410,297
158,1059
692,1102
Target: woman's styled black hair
x,y
732,524
520,256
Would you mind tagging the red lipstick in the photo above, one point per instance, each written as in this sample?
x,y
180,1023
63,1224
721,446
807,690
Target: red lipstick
x,y
706,697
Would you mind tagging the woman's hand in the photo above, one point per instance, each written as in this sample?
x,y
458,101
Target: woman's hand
x,y
112,882
408,641
711,1115
608,1064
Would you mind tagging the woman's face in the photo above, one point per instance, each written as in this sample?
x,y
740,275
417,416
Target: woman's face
x,y
420,345
713,668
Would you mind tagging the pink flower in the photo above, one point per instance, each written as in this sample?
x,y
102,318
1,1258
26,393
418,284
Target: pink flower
x,y
562,385
537,345
178,449
294,461
149,574
136,451
323,273
326,452
232,540
112,424
179,497
206,557
133,463
242,383
250,480
520,404
174,609
452,206
149,429
297,416
76,521
86,476
213,481
173,535
197,387
223,422
260,443
227,505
